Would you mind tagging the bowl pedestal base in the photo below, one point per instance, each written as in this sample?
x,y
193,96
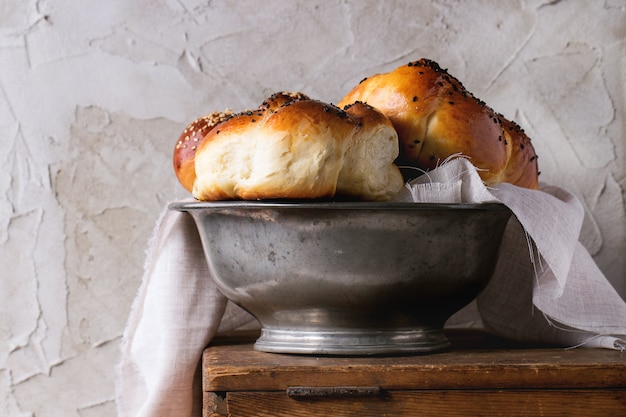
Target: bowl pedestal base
x,y
352,342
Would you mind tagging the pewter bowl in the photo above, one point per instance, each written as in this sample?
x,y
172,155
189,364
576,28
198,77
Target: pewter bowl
x,y
350,278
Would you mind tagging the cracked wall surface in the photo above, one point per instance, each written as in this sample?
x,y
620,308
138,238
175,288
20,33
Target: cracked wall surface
x,y
94,94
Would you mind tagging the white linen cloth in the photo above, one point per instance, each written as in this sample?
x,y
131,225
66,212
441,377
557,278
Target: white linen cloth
x,y
546,288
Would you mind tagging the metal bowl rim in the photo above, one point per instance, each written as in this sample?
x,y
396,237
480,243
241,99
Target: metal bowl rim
x,y
330,205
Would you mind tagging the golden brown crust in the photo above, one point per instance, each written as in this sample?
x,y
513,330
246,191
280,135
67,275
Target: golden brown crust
x,y
189,142
436,117
522,169
280,98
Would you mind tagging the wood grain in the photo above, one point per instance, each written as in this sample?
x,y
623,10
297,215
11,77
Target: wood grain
x,y
239,368
479,376
549,403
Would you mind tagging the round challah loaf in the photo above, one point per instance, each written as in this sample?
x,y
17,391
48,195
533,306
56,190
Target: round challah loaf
x,y
436,117
293,147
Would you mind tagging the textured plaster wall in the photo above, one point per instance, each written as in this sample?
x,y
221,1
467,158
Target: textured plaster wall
x,y
93,95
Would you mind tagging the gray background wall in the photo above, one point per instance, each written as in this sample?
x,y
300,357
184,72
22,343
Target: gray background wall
x,y
93,96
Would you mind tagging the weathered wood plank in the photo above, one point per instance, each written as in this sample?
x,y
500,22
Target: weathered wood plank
x,y
479,376
546,403
238,368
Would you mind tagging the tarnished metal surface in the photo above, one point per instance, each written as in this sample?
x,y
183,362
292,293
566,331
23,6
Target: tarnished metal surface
x,y
350,278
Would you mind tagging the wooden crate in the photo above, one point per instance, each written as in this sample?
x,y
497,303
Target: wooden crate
x,y
479,376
